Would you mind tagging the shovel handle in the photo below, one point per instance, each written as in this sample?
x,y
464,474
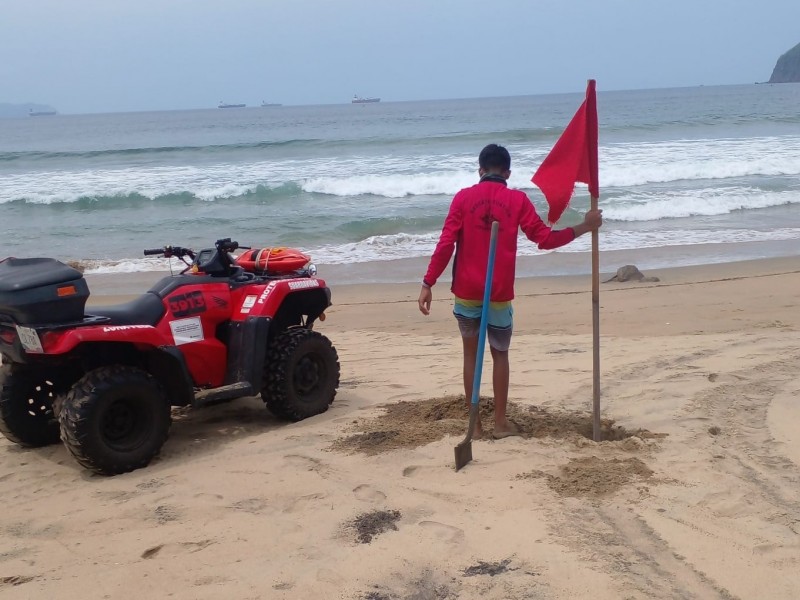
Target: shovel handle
x,y
487,294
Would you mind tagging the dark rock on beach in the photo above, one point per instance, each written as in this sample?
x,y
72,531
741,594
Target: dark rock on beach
x,y
630,273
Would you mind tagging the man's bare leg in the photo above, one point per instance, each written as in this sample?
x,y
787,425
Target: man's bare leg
x,y
470,355
500,380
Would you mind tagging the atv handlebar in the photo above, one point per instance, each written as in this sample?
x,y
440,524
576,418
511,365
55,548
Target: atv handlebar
x,y
170,251
227,245
224,245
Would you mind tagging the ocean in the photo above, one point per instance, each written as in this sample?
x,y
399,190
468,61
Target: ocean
x,y
687,176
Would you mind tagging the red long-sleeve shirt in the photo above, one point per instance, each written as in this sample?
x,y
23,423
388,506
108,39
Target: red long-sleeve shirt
x,y
468,228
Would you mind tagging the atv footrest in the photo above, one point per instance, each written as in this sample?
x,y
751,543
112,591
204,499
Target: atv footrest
x,y
221,394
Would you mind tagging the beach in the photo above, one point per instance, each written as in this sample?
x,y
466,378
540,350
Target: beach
x,y
692,495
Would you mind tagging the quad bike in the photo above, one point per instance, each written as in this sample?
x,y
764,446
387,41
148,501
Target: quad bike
x,y
103,380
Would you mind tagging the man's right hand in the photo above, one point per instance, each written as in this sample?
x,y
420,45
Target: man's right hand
x,y
425,297
592,220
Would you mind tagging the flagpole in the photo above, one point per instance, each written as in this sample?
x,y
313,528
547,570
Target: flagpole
x,y
572,159
596,436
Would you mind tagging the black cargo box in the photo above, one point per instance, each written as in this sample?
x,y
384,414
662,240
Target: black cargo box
x,y
41,290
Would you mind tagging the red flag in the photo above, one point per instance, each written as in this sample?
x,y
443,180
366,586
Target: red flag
x,y
572,159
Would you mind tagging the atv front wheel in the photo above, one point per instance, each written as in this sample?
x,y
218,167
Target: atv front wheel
x,y
26,405
115,419
301,375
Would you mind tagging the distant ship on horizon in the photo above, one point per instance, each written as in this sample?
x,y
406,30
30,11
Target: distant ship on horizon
x,y
41,113
226,105
359,100
264,103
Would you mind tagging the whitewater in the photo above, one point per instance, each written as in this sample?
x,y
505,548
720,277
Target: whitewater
x,y
690,167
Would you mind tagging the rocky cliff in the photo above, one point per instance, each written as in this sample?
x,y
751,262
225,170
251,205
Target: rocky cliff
x,y
787,69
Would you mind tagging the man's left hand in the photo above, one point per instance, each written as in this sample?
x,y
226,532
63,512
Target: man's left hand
x,y
425,297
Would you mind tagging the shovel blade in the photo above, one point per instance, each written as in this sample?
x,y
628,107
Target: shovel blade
x,y
464,449
463,453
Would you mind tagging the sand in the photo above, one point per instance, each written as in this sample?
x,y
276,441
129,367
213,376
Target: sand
x,y
693,495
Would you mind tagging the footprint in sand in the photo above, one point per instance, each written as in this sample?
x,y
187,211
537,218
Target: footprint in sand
x,y
283,585
367,493
212,496
165,513
176,548
308,437
348,419
250,505
211,580
302,502
150,484
118,496
16,553
770,549
446,533
413,470
30,529
329,576
151,552
308,463
15,580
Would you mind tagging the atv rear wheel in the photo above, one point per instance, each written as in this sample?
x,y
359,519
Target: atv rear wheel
x,y
301,375
26,404
115,419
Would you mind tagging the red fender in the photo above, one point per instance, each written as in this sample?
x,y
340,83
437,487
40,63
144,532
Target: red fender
x,y
61,342
264,301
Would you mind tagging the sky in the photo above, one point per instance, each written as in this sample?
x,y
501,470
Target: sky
x,y
83,56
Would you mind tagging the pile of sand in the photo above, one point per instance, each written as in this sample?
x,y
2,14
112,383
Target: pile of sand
x,y
414,424
592,476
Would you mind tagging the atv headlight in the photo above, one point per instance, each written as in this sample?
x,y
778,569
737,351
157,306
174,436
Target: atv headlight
x,y
312,269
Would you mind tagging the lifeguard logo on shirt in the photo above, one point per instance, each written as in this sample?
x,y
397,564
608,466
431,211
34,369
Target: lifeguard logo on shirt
x,y
487,220
490,207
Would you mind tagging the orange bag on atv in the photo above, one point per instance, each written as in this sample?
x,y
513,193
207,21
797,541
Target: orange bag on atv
x,y
272,260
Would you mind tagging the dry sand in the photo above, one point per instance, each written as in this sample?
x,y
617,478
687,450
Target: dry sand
x,y
695,495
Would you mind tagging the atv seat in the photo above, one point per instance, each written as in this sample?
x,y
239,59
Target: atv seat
x,y
145,310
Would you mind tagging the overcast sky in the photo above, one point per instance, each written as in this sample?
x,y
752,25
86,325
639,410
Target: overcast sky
x,y
128,55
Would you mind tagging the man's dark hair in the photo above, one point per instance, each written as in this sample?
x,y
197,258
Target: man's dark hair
x,y
493,158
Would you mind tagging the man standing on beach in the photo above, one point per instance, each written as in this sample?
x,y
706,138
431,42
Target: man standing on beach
x,y
467,229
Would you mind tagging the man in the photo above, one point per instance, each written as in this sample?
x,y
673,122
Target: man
x,y
467,227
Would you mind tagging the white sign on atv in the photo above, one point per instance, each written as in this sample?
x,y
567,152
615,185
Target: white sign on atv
x,y
30,339
249,302
186,331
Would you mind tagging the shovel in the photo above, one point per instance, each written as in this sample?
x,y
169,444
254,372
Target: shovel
x,y
464,449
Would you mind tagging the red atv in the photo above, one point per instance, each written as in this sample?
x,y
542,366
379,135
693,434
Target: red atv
x,y
104,380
